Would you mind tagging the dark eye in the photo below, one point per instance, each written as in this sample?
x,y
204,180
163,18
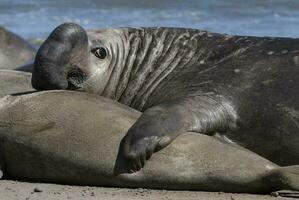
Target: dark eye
x,y
100,52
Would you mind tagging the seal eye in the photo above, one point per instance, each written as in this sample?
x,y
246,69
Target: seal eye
x,y
100,52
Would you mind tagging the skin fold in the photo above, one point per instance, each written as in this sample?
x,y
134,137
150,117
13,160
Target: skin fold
x,y
244,89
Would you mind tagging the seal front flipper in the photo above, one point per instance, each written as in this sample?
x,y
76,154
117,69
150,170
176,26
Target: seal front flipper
x,y
161,124
286,178
286,193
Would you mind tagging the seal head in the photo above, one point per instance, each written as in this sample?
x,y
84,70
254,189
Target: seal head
x,y
69,59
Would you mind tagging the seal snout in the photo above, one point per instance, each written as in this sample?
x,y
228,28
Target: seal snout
x,y
53,85
47,76
54,66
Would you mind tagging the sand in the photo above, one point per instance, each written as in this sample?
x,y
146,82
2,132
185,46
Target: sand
x,y
16,190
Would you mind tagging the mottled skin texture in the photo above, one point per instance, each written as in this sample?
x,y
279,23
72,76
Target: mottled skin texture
x,y
14,82
243,88
76,139
14,51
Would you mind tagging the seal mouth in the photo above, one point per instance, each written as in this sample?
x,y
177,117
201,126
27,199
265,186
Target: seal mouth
x,y
75,78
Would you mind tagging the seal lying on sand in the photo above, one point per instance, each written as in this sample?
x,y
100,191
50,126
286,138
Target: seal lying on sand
x,y
12,82
244,88
73,138
14,51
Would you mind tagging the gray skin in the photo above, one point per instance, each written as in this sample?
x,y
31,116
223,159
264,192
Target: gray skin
x,y
77,138
15,52
14,82
243,88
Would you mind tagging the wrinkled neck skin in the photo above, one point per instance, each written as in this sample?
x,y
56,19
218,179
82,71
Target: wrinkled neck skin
x,y
140,59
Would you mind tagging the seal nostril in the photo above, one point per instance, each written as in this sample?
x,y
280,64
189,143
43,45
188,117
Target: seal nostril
x,y
75,78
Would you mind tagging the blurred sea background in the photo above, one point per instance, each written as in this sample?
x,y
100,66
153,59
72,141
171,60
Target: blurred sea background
x,y
36,18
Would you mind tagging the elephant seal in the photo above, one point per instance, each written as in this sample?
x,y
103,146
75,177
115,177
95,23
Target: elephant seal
x,y
243,88
74,138
13,82
14,51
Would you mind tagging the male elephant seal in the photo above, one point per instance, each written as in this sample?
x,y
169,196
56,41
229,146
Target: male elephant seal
x,y
244,88
14,51
14,82
73,138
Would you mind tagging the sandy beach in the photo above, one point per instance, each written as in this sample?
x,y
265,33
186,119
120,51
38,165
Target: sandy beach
x,y
16,190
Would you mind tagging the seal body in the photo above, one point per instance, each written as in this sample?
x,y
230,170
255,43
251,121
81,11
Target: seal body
x,y
14,51
77,139
243,88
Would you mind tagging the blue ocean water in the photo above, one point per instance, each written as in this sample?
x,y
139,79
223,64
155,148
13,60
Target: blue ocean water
x,y
36,18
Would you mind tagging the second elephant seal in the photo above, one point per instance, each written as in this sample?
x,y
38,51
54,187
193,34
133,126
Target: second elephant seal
x,y
74,138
